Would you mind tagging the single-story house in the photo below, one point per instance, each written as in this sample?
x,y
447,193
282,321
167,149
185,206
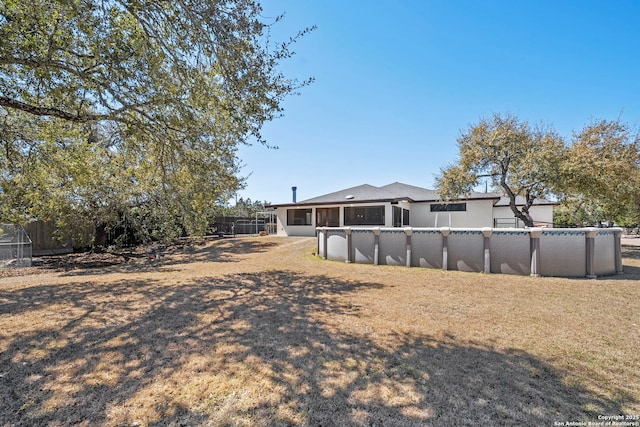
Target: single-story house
x,y
400,205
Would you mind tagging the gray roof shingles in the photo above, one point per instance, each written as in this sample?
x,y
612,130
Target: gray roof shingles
x,y
389,192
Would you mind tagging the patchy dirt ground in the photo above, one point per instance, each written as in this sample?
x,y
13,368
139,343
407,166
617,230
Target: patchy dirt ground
x,y
89,260
258,331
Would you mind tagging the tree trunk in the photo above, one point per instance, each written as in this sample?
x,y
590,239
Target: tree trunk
x,y
527,219
523,214
100,236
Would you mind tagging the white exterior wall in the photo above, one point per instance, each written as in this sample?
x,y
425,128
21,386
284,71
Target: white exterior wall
x,y
542,214
479,213
388,215
295,230
405,205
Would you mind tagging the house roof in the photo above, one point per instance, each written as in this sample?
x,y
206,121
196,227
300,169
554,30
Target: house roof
x,y
396,191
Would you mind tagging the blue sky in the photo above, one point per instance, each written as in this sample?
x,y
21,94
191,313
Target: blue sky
x,y
396,82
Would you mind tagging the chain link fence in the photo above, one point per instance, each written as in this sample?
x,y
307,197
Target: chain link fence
x,y
15,246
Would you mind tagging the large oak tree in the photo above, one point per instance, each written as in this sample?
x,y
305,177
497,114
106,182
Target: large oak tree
x,y
601,175
518,159
132,108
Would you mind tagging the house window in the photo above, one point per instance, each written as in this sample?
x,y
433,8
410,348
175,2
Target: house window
x,y
327,217
448,207
299,217
400,216
397,216
366,215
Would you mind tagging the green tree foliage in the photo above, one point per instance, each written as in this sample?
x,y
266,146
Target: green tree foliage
x,y
246,208
520,160
601,175
132,109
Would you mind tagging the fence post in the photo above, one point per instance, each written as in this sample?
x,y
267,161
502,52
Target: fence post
x,y
590,253
408,231
617,241
486,232
318,231
326,240
347,232
376,245
445,247
534,235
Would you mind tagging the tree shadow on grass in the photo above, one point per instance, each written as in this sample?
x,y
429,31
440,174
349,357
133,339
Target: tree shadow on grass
x,y
223,250
630,255
276,348
632,252
629,272
227,250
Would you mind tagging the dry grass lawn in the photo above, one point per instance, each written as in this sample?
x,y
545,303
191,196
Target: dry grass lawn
x,y
258,331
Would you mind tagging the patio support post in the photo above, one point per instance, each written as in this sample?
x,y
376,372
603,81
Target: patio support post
x,y
408,231
376,245
486,232
534,235
347,232
445,247
617,243
590,253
